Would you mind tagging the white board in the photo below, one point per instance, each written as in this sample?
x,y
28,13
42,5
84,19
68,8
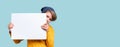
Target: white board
x,y
28,25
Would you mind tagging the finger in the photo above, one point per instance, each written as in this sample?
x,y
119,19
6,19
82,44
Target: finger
x,y
11,26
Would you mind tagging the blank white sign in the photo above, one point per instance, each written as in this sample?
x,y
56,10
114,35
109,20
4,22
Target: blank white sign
x,y
28,25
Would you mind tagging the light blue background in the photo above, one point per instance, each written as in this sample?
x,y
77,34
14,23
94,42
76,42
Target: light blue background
x,y
88,23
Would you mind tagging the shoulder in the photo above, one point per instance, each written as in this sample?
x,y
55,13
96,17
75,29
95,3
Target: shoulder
x,y
50,28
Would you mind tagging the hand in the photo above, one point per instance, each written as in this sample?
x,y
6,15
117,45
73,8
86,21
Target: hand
x,y
10,26
45,26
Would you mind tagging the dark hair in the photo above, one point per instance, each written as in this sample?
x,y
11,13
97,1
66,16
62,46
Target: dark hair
x,y
51,10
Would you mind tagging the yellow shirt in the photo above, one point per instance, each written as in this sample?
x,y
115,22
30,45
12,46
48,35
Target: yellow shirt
x,y
49,42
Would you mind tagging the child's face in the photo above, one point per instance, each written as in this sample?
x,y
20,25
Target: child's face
x,y
49,16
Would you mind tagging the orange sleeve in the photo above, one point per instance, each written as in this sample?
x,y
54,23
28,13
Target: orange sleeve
x,y
16,41
50,37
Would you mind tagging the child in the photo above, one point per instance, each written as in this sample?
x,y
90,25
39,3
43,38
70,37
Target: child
x,y
49,42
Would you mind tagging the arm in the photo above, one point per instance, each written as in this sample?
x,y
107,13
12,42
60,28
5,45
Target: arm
x,y
50,37
15,41
10,26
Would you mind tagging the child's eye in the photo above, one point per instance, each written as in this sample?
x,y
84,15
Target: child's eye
x,y
47,16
